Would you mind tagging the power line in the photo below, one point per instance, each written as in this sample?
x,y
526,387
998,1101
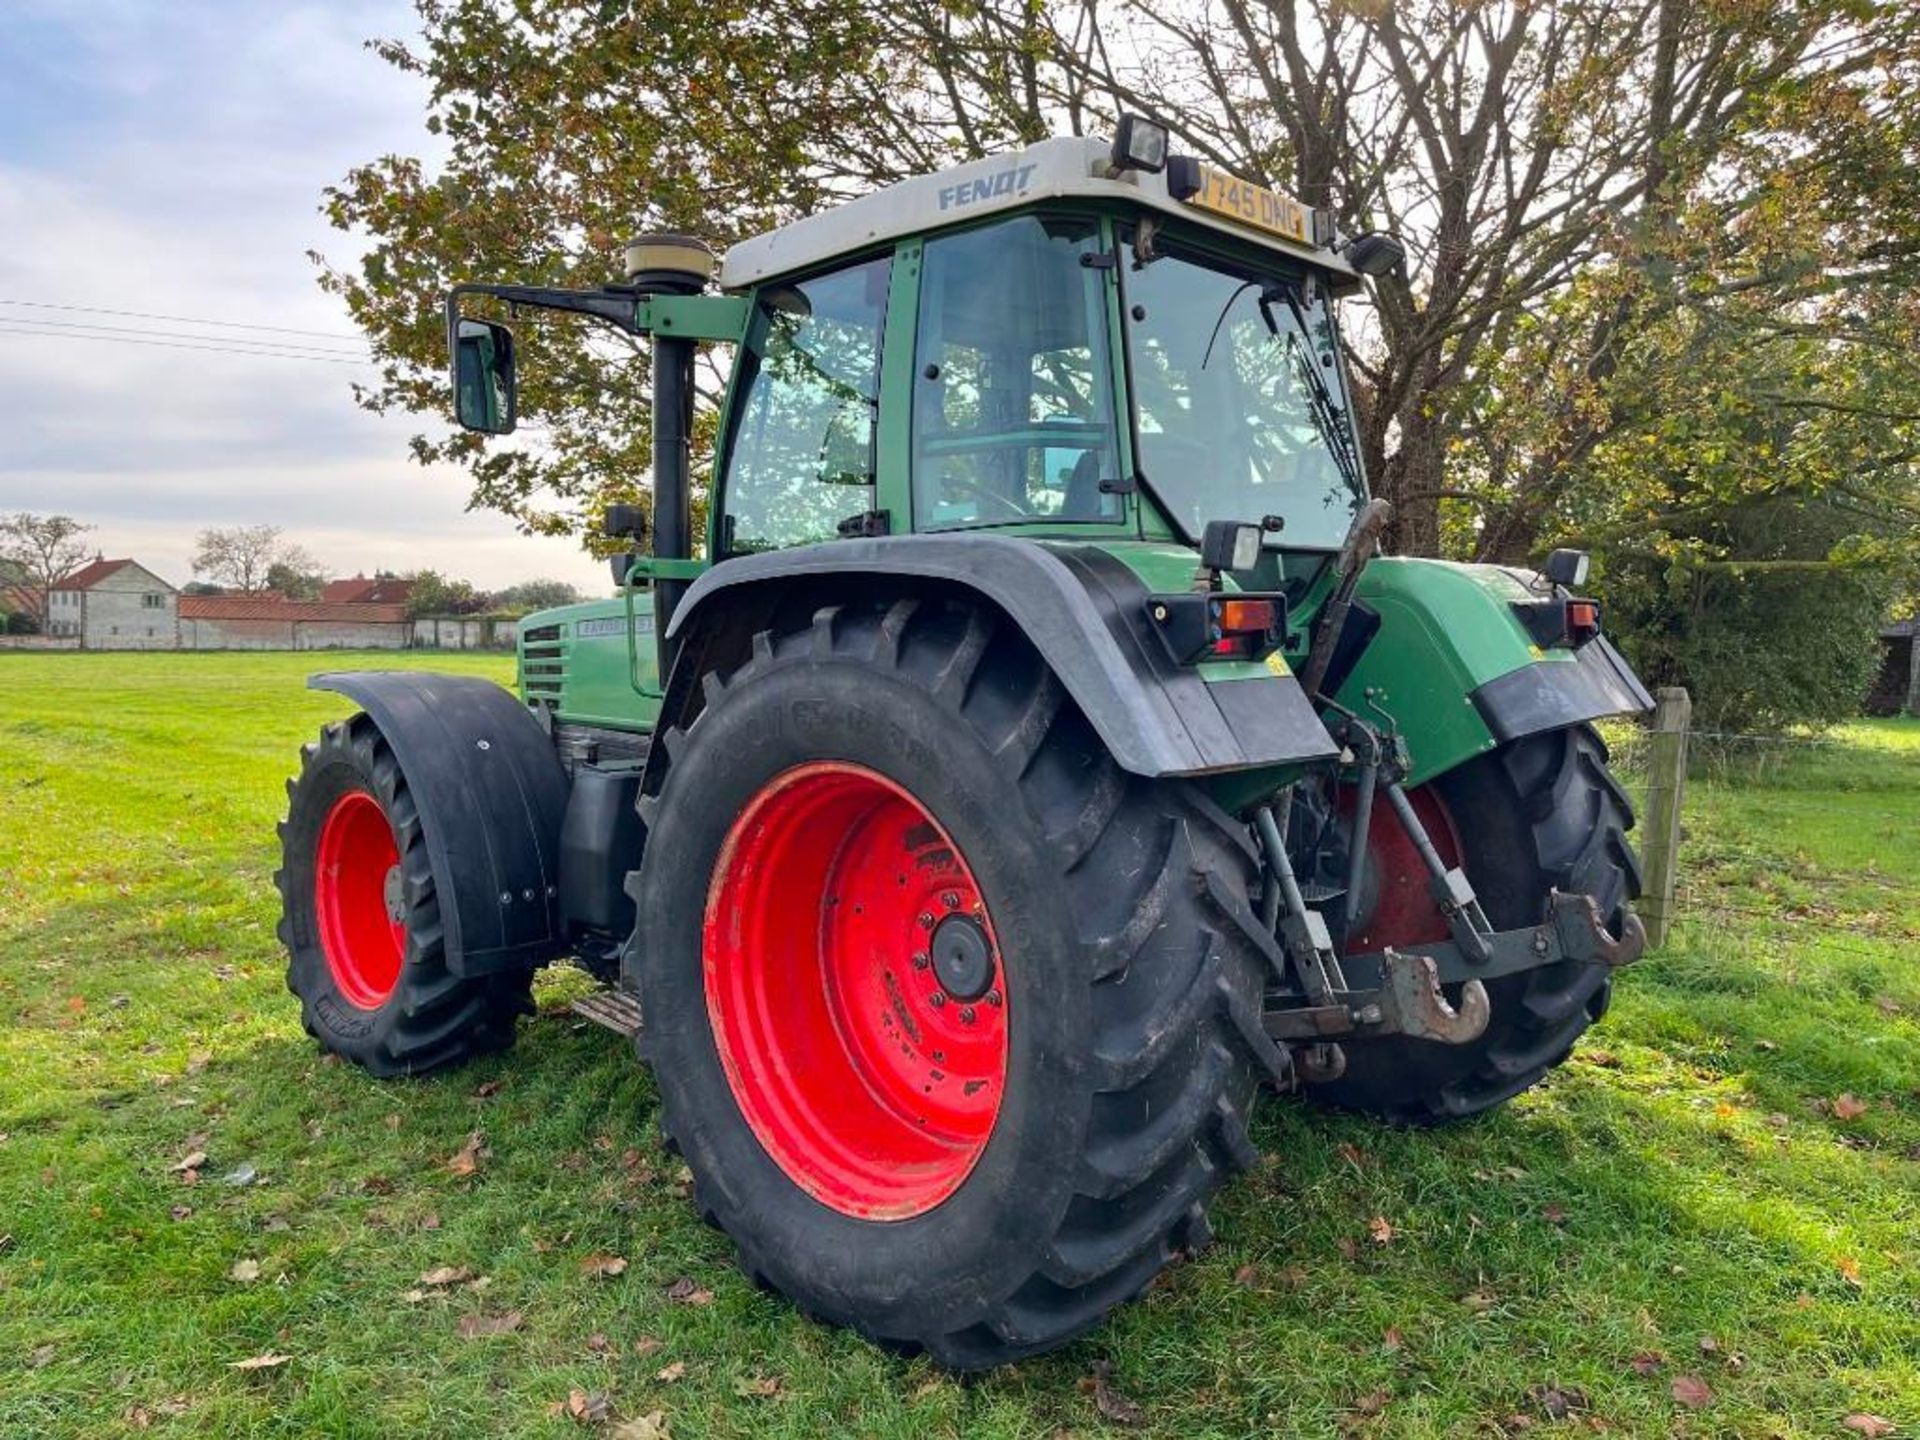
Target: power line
x,y
20,330
181,319
180,335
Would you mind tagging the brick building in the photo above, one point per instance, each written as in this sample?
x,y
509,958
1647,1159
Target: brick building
x,y
254,622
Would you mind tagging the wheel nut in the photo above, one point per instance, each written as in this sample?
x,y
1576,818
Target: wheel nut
x,y
920,961
993,998
926,920
966,1014
937,999
951,899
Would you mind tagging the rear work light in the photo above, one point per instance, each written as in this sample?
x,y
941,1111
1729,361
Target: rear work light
x,y
1197,625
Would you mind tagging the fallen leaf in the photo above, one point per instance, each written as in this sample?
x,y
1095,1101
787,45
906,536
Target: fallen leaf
x,y
393,1122
1887,1005
684,1292
414,1297
1247,1275
1554,1214
40,1357
1765,1045
1692,1392
1381,1229
598,1343
1872,1426
1392,1340
487,1089
1479,1301
467,1159
648,1345
1709,1345
245,1271
757,1387
671,1374
1352,1154
446,1275
651,1426
1372,1403
1605,1059
1347,1248
1849,1269
1111,1404
137,1417
1558,1402
1648,1362
1849,1107
181,1212
268,1361
604,1267
587,1407
192,1160
472,1327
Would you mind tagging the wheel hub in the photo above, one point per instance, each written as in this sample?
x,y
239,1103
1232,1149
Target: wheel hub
x,y
850,977
359,904
962,958
395,894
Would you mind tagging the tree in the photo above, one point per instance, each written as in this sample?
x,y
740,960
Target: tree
x,y
296,576
436,594
244,557
532,595
43,549
1649,148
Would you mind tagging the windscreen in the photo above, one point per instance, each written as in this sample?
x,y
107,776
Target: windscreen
x,y
1241,409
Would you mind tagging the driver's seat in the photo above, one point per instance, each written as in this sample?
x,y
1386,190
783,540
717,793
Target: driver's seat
x,y
1084,500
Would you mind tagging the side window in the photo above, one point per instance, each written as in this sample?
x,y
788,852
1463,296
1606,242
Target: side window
x,y
802,455
1013,399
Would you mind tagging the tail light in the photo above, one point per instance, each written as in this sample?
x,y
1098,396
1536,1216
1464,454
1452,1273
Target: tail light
x,y
1201,625
1559,621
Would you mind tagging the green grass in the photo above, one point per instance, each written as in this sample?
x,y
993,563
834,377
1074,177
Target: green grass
x,y
1685,1180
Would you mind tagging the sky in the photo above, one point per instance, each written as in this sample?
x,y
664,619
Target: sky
x,y
167,157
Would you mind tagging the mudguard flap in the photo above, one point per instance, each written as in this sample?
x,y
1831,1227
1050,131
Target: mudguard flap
x,y
491,795
1085,613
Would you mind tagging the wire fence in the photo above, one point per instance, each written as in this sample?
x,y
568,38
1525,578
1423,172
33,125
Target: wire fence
x,y
1747,859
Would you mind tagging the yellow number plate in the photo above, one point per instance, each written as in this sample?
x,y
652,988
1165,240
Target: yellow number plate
x,y
1250,204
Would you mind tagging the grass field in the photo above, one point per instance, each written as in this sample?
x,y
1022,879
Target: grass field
x,y
1719,1196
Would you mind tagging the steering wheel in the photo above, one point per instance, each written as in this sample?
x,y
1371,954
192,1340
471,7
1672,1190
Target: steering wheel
x,y
980,492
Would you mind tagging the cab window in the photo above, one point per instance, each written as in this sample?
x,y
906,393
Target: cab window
x,y
801,460
1013,395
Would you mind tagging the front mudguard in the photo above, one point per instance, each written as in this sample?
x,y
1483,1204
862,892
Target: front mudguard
x,y
1451,663
491,795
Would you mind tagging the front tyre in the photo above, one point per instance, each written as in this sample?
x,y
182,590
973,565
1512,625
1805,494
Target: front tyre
x,y
360,917
1539,814
955,1023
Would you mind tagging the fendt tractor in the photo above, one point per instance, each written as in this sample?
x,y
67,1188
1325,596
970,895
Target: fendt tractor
x,y
1037,758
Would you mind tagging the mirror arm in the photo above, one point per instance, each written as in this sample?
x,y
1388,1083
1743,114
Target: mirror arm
x,y
618,308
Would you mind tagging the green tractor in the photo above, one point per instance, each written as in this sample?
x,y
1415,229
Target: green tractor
x,y
1038,759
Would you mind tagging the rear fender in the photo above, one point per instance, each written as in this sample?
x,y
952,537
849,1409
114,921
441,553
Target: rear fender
x,y
491,795
1454,666
1081,608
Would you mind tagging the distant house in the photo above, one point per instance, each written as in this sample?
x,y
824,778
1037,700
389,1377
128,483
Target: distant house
x,y
381,590
261,622
115,605
1897,688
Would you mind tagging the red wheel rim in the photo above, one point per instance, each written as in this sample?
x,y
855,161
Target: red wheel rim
x,y
1397,907
356,894
868,1074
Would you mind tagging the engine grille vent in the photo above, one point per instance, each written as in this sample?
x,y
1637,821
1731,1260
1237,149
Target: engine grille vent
x,y
543,663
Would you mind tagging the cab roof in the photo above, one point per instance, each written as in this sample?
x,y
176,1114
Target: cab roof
x,y
1066,168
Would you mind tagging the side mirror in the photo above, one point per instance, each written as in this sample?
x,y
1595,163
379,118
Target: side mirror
x,y
484,394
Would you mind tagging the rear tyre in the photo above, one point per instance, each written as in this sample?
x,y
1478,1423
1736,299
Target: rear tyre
x,y
1539,814
360,917
901,803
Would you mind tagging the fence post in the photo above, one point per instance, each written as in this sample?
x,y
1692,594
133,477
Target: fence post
x,y
1666,787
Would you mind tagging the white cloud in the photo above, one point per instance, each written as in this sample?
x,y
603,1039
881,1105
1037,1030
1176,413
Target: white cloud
x,y
170,159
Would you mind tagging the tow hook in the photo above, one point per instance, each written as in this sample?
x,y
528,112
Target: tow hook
x,y
1413,1004
1584,935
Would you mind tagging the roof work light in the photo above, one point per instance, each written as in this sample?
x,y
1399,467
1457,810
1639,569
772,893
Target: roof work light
x,y
1139,144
